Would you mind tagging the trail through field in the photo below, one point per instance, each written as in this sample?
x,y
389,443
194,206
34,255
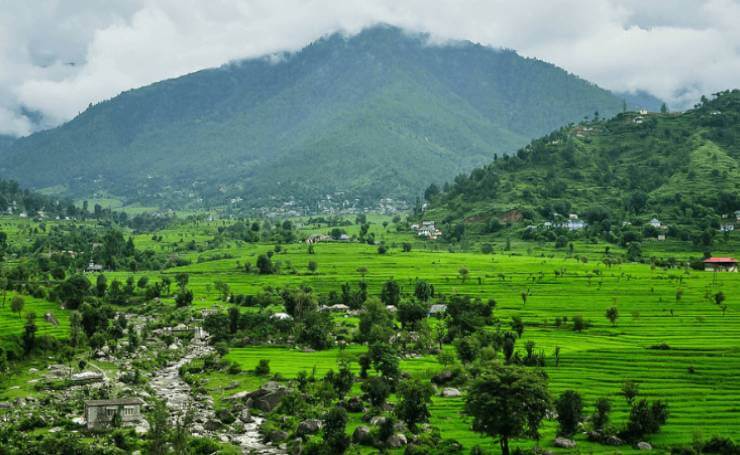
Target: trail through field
x,y
179,399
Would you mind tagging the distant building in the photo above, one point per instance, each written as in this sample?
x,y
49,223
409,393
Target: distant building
x,y
643,112
654,223
281,316
737,215
661,237
100,413
437,310
727,227
93,267
720,265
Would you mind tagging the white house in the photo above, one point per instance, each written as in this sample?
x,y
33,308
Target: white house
x,y
654,223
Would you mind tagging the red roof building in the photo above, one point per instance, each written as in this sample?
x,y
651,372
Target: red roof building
x,y
720,265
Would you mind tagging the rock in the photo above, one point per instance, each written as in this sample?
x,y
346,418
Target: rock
x,y
33,370
278,436
142,427
212,425
4,405
377,420
396,441
310,426
197,428
449,392
362,435
245,416
55,430
87,377
223,438
444,377
237,396
565,443
267,397
613,440
232,385
354,404
642,445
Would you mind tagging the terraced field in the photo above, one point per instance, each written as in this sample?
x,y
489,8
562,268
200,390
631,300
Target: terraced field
x,y
12,324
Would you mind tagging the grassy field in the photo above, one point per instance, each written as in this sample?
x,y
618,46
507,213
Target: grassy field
x,y
697,375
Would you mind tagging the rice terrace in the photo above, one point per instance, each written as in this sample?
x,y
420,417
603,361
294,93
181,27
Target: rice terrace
x,y
385,227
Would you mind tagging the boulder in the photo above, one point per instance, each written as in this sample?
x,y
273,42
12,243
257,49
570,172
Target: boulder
x,y
377,420
5,405
613,440
565,443
87,377
245,416
277,436
449,392
444,377
310,426
267,397
362,435
642,445
354,404
212,425
237,396
396,441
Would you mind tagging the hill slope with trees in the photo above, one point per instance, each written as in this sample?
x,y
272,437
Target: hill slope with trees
x,y
379,114
683,169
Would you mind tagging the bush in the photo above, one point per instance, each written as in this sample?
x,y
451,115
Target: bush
x,y
263,368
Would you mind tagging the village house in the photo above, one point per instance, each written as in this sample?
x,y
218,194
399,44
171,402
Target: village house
x,y
720,265
100,413
93,267
437,310
727,227
655,223
427,229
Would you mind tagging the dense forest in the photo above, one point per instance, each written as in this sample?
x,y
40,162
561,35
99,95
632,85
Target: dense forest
x,y
376,115
680,169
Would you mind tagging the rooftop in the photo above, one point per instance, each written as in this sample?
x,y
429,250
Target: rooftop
x,y
115,402
720,260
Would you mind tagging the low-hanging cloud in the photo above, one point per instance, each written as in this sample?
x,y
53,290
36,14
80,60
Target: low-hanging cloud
x,y
57,57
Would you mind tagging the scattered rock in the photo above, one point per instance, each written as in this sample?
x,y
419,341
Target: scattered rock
x,y
354,404
87,377
245,416
278,436
362,435
565,443
396,441
377,420
450,392
642,445
310,426
212,425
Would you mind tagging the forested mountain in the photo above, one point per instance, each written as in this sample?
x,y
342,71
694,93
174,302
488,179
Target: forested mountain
x,y
5,142
683,169
378,114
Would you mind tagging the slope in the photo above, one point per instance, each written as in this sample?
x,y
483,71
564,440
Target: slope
x,y
377,114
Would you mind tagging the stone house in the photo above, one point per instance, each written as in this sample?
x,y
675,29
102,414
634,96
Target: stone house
x,y
100,413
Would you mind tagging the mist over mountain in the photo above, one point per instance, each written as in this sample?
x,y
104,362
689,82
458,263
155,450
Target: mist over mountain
x,y
379,114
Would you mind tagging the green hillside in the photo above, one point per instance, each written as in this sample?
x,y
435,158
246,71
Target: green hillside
x,y
380,114
683,169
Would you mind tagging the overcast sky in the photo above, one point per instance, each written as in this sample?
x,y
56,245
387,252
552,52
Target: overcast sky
x,y
57,56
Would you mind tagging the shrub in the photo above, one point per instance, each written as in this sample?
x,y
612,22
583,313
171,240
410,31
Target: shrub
x,y
263,368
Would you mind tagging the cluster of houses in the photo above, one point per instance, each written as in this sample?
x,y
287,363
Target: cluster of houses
x,y
571,224
427,229
316,238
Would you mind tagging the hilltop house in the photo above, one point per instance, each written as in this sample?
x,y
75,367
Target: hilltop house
x,y
437,310
93,267
720,265
100,413
427,229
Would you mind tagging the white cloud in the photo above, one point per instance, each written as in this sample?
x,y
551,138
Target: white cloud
x,y
676,50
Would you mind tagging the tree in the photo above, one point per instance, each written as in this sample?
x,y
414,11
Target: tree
x,y
182,279
376,390
234,315
663,109
612,314
570,412
313,266
29,332
375,322
646,418
517,325
391,293
101,285
159,429
508,402
579,324
468,348
464,273
413,406
336,440
223,289
264,265
423,290
630,390
75,329
600,417
411,312
406,246
184,298
719,298
17,304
